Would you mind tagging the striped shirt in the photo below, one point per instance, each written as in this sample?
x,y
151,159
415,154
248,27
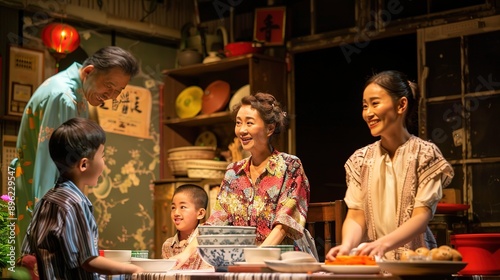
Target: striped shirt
x,y
62,234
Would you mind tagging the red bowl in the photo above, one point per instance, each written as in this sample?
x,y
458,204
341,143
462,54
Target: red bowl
x,y
215,97
241,48
480,250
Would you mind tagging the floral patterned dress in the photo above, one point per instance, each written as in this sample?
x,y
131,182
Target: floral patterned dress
x,y
279,196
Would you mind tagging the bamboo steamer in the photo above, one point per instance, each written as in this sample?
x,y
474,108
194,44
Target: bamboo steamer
x,y
178,157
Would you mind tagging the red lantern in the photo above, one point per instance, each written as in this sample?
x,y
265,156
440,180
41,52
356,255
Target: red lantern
x,y
60,39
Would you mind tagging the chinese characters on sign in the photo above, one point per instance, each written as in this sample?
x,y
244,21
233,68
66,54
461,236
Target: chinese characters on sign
x,y
270,25
129,114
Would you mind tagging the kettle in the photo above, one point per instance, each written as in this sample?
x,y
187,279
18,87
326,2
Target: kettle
x,y
213,42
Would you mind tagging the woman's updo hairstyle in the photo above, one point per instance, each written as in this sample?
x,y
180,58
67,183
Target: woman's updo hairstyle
x,y
397,85
268,107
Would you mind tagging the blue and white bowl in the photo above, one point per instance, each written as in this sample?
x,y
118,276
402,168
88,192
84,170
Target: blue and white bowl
x,y
206,230
222,256
226,239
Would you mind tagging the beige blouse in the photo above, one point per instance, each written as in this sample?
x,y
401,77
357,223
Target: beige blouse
x,y
172,246
388,190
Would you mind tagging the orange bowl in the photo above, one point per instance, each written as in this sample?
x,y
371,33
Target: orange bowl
x,y
480,250
215,97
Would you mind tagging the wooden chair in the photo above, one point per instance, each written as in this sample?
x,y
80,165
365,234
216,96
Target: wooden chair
x,y
328,213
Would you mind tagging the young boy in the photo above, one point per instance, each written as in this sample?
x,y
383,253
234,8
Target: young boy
x,y
63,232
189,205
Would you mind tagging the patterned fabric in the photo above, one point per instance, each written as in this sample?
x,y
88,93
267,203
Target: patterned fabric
x,y
54,102
223,276
420,173
279,196
172,246
63,234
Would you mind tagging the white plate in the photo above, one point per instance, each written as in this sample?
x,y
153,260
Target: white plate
x,y
154,265
421,267
238,95
352,269
258,264
297,257
283,266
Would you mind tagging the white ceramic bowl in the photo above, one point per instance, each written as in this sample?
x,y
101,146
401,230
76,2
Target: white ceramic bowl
x,y
154,265
205,230
258,255
222,256
297,257
118,255
226,239
283,248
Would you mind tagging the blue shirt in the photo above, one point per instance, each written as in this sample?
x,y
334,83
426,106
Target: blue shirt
x,y
56,100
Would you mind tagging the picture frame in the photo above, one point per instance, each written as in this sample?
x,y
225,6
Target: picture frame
x,y
25,75
269,25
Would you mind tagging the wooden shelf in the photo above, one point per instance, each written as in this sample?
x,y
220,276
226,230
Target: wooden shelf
x,y
223,65
207,119
10,118
261,72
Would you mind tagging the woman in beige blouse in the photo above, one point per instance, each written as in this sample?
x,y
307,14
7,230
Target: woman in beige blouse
x,y
395,183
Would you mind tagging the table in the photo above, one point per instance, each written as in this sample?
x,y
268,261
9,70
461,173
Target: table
x,y
179,275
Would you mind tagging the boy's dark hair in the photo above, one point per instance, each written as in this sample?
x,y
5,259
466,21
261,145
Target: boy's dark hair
x,y
198,194
75,139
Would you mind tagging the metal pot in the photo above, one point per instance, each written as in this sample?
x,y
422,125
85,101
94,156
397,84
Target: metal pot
x,y
213,42
189,57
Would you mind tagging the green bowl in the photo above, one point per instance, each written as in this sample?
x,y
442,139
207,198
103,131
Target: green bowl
x,y
283,248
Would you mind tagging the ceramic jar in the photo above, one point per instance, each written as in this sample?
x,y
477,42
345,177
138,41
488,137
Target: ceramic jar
x,y
212,57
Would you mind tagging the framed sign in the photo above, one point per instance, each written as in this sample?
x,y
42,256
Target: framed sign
x,y
25,75
269,25
129,114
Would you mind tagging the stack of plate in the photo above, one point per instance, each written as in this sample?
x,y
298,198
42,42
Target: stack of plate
x,y
206,169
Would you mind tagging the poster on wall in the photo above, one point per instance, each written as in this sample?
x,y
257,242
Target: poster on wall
x,y
269,25
25,75
129,114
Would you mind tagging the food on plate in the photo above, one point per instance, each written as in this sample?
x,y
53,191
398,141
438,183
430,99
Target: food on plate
x,y
456,255
445,253
442,253
352,260
422,251
439,255
407,255
445,247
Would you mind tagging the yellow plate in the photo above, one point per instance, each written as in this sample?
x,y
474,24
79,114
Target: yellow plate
x,y
188,103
